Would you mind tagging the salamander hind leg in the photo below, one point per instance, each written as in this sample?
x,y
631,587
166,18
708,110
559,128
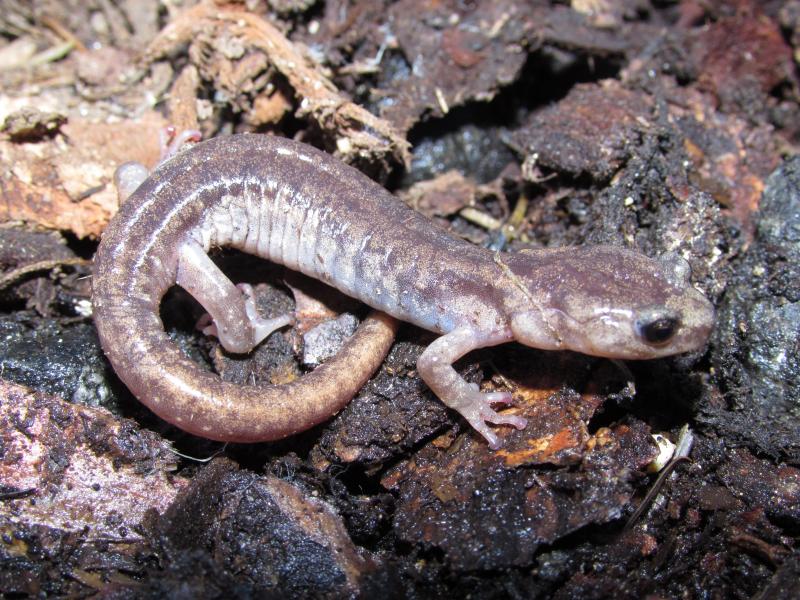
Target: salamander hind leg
x,y
234,319
435,367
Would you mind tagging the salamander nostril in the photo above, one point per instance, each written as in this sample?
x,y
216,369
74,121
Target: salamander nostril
x,y
658,331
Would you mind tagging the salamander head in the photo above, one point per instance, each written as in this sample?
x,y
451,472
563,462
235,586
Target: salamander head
x,y
608,301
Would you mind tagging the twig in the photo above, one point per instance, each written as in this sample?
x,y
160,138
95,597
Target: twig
x,y
682,450
43,265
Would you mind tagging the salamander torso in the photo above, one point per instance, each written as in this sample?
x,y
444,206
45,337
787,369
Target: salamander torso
x,y
294,205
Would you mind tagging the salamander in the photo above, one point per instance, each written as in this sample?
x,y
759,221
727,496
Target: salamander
x,y
291,204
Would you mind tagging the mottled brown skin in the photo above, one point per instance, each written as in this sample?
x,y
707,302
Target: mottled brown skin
x,y
294,205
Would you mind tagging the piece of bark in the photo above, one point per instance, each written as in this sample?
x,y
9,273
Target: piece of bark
x,y
357,136
65,183
70,467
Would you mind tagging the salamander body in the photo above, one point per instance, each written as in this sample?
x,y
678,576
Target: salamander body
x,y
294,205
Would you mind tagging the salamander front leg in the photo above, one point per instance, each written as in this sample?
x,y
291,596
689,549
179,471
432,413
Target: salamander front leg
x,y
130,175
232,308
435,365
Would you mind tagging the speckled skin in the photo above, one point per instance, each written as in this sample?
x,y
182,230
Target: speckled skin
x,y
294,205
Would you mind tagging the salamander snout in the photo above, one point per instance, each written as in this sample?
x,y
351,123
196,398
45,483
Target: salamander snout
x,y
666,316
683,321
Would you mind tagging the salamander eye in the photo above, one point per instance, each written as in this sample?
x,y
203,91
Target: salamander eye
x,y
658,330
